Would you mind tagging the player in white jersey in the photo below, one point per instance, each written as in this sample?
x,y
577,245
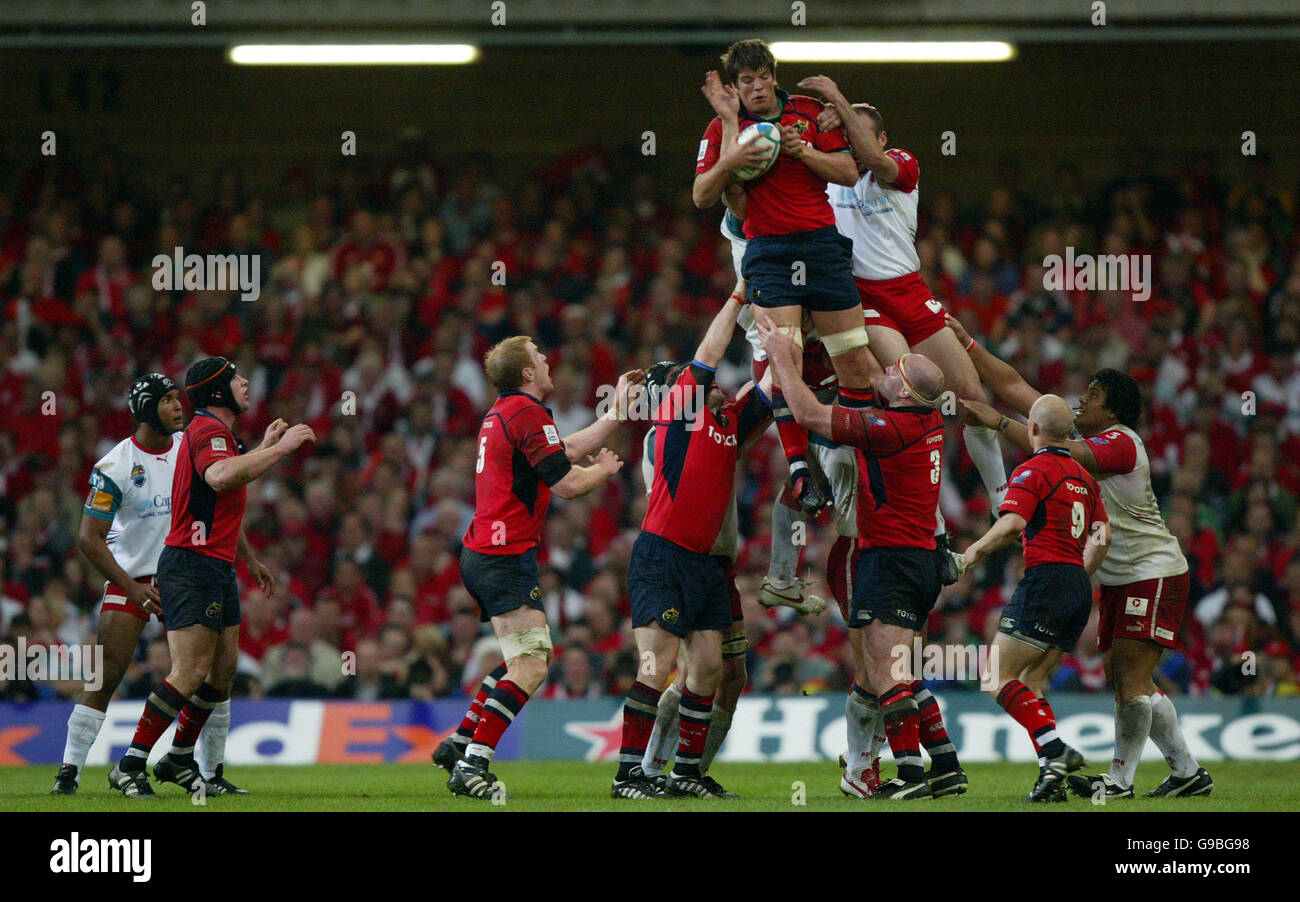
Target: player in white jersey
x,y
735,645
902,313
1144,579
126,517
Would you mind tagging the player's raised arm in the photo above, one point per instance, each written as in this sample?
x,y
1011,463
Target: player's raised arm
x,y
866,146
1005,381
589,439
720,155
837,167
721,330
229,473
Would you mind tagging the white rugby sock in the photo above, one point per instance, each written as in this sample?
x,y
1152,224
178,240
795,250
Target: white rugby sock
x,y
983,448
718,728
859,719
785,554
211,749
1132,727
83,726
663,737
1168,737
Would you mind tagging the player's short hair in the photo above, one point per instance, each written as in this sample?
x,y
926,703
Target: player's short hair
x,y
870,112
752,54
505,362
1123,397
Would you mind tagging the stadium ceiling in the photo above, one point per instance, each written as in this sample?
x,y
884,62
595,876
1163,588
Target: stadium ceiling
x,y
145,23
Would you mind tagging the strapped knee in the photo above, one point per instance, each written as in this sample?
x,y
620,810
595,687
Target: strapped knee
x,y
735,644
843,342
795,333
535,642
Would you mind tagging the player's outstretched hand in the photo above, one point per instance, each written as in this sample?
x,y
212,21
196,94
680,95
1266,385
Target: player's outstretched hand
x,y
985,413
722,97
955,325
145,596
265,578
294,438
970,557
274,432
825,87
622,402
792,144
607,460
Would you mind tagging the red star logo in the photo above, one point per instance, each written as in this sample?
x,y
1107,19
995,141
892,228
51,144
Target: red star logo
x,y
605,738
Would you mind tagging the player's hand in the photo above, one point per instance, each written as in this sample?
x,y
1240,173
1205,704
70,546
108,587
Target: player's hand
x,y
970,557
778,344
955,325
143,595
624,387
722,97
825,87
265,578
294,438
742,156
274,432
607,460
792,144
829,119
985,413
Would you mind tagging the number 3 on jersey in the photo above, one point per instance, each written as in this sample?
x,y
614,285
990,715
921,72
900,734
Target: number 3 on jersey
x,y
938,465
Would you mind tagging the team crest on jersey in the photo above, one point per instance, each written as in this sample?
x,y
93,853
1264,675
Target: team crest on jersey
x,y
137,475
218,444
801,126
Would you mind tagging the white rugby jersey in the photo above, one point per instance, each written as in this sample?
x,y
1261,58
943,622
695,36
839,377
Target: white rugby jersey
x,y
1141,546
728,541
132,489
881,221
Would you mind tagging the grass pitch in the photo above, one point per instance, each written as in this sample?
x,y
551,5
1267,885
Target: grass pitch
x,y
579,786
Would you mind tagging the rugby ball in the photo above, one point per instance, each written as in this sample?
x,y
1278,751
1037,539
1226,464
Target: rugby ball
x,y
769,138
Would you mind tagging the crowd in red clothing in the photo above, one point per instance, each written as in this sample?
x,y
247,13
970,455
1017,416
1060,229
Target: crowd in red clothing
x,y
382,287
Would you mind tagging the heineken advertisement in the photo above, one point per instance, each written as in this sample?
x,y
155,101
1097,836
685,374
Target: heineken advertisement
x,y
765,728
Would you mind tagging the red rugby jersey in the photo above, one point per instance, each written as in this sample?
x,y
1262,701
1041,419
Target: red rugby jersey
x,y
899,472
789,197
520,456
695,454
203,519
1060,502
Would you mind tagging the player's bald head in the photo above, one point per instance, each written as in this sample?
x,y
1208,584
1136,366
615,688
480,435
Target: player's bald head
x,y
1054,417
922,377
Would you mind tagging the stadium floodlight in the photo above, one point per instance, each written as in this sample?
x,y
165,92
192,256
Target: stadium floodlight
x,y
352,54
894,51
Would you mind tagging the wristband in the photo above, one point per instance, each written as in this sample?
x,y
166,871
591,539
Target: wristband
x,y
1003,423
739,299
970,344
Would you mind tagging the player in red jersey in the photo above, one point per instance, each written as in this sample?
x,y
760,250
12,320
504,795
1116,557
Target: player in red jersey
x,y
1056,504
679,590
521,461
1144,578
897,576
196,570
795,259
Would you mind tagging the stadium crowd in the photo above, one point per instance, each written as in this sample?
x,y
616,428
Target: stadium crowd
x,y
381,288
